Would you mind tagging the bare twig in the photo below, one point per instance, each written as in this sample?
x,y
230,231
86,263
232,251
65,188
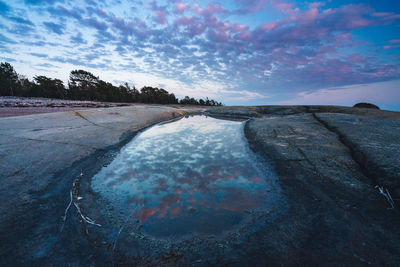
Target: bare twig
x,y
86,219
387,195
66,211
119,233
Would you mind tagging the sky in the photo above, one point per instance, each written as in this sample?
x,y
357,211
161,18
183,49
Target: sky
x,y
239,52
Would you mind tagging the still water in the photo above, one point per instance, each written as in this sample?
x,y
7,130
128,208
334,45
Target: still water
x,y
194,175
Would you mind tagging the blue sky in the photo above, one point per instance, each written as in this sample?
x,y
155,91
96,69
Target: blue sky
x,y
243,52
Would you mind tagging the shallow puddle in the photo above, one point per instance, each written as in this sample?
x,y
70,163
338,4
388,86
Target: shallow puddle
x,y
194,175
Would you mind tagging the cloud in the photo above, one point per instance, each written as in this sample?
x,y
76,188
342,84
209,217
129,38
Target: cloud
x,y
39,55
41,2
160,12
21,20
53,27
180,8
262,47
7,40
391,46
4,8
78,39
95,23
62,11
250,6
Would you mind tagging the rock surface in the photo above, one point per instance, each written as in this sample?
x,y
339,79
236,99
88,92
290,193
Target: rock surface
x,y
328,159
34,152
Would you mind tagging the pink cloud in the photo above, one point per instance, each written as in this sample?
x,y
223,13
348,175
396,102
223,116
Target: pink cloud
x,y
316,4
386,15
284,8
235,27
192,25
311,14
387,47
243,35
184,20
160,16
209,10
180,8
269,26
356,58
219,36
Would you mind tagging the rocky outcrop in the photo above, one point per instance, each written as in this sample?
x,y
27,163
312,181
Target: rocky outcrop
x,y
35,152
339,169
329,161
374,144
336,214
371,136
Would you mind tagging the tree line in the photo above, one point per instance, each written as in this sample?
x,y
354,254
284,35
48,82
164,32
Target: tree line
x,y
83,85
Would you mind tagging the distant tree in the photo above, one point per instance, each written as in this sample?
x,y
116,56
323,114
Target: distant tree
x,y
134,94
146,94
83,85
185,100
9,84
150,94
172,99
125,93
105,91
25,85
191,101
48,87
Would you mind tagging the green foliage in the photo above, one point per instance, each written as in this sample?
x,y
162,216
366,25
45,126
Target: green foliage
x,y
83,85
191,101
155,95
9,84
44,86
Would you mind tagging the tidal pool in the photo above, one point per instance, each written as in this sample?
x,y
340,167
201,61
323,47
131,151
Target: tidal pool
x,y
195,175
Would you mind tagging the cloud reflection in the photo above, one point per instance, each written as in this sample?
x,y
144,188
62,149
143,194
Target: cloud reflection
x,y
187,176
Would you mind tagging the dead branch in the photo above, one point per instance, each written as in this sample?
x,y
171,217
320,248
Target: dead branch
x,y
86,219
66,211
387,195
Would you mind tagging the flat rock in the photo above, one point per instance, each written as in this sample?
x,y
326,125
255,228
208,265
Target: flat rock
x,y
34,151
336,214
328,159
374,144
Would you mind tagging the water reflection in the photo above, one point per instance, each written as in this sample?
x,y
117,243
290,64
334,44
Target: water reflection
x,y
192,175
